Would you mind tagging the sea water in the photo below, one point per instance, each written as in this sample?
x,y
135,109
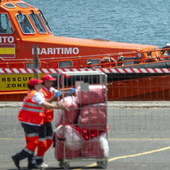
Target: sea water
x,y
131,21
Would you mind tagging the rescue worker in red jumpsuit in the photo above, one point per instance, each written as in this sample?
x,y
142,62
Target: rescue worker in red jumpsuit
x,y
46,131
31,116
108,62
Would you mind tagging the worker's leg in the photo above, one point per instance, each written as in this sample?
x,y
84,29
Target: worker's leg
x,y
49,135
32,136
42,146
47,128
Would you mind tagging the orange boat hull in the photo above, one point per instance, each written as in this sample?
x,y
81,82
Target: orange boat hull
x,y
149,89
17,51
156,88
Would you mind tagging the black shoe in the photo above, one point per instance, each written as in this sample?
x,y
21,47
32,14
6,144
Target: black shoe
x,y
33,166
16,161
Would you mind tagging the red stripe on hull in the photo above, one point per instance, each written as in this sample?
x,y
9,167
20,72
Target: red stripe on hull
x,y
7,45
7,55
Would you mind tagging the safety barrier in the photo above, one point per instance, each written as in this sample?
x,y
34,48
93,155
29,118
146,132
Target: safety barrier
x,y
136,84
104,70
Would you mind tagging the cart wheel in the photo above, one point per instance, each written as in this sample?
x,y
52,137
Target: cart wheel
x,y
61,164
98,163
66,165
102,164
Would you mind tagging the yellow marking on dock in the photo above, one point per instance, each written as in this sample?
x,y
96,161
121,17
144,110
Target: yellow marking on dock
x,y
12,138
125,156
131,156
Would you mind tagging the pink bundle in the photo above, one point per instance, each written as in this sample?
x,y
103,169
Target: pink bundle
x,y
73,139
96,147
71,112
93,117
73,142
69,154
96,94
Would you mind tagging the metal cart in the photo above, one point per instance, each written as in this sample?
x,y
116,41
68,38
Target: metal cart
x,y
83,82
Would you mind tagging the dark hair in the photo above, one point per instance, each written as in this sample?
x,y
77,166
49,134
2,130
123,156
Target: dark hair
x,y
149,53
30,87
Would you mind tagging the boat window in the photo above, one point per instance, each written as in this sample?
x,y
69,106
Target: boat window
x,y
5,24
9,5
94,61
129,60
37,22
30,64
22,5
138,57
45,22
25,24
63,64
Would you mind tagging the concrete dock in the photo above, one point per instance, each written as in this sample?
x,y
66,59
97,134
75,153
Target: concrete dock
x,y
139,137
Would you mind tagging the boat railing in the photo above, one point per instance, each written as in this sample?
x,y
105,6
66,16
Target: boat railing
x,y
129,58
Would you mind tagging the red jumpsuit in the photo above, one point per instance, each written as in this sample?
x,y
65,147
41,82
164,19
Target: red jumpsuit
x,y
46,131
31,117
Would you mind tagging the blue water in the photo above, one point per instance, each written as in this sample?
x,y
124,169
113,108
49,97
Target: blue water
x,y
143,22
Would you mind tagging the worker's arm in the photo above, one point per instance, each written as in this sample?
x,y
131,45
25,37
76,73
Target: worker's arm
x,y
57,94
48,105
51,99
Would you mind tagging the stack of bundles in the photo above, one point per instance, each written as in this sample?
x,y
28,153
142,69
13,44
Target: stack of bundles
x,y
73,138
84,125
92,117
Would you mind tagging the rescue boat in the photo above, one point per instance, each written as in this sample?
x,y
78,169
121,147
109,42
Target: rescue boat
x,y
22,26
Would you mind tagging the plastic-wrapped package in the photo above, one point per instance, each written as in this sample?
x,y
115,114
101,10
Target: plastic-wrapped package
x,y
93,117
71,112
96,147
73,139
96,94
69,154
